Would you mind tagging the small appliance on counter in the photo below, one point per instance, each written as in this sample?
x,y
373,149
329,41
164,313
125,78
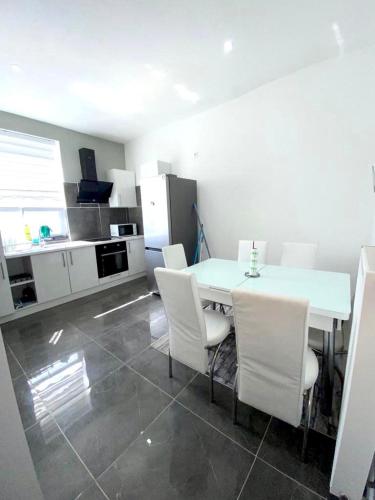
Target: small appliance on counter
x,y
128,229
45,232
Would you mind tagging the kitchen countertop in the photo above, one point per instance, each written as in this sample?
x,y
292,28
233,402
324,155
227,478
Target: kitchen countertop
x,y
25,251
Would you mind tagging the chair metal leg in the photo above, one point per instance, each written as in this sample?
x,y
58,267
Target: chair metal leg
x,y
235,400
212,371
308,406
341,375
170,364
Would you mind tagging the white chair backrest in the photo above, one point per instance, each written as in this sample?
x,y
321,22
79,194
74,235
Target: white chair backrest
x,y
245,246
271,338
187,327
301,255
174,257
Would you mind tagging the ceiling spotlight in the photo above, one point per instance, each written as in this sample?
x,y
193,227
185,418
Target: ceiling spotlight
x,y
15,68
228,46
157,74
186,94
338,35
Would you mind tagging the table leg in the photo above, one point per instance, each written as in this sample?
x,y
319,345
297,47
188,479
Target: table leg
x,y
329,370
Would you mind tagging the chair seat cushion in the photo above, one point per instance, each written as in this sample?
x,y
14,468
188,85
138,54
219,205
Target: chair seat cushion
x,y
217,327
312,369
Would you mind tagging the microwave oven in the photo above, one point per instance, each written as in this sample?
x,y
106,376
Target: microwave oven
x,y
128,229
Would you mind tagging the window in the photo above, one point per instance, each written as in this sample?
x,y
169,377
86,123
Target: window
x,y
31,186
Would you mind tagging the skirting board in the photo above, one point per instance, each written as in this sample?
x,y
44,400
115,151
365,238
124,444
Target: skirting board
x,y
68,298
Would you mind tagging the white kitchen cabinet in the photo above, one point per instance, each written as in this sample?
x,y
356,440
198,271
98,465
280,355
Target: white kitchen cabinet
x,y
83,270
154,168
51,275
136,256
123,191
6,300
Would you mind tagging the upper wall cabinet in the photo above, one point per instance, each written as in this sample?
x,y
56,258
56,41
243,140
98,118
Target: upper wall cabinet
x,y
123,192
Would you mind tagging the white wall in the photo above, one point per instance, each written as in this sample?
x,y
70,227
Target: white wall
x,y
108,154
289,161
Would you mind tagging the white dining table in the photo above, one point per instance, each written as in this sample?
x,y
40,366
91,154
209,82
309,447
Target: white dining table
x,y
327,292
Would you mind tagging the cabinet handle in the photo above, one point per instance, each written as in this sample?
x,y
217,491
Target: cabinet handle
x,y
2,270
71,258
130,246
63,258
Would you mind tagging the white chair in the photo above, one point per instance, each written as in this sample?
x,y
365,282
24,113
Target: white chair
x,y
316,343
192,330
174,257
301,255
276,369
245,246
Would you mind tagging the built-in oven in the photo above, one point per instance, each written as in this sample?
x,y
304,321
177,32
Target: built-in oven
x,y
112,259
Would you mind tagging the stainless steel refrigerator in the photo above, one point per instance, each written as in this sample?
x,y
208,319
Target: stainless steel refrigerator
x,y
168,218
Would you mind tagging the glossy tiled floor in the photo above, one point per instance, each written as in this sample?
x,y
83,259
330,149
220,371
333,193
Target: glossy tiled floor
x,y
104,420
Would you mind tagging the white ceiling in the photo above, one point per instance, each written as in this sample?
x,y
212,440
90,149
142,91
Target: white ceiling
x,y
119,68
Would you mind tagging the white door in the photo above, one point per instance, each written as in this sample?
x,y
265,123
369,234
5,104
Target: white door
x,y
136,256
6,301
82,268
51,275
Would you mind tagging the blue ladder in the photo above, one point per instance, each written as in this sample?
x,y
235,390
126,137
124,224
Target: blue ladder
x,y
201,239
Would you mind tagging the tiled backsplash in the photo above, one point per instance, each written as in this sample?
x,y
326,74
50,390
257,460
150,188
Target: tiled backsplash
x,y
92,220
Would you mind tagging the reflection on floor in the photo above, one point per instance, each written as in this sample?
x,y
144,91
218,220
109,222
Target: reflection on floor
x,y
103,419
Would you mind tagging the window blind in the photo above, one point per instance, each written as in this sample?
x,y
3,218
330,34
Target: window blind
x,y
30,171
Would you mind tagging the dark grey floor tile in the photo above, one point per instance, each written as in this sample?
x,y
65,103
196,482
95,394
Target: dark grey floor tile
x,y
102,421
91,493
252,423
94,327
282,449
153,365
14,367
159,326
148,308
53,335
30,405
61,475
57,381
266,483
125,341
179,456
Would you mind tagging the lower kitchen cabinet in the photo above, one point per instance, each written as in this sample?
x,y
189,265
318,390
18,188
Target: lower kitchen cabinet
x,y
82,268
51,275
57,274
136,256
6,301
